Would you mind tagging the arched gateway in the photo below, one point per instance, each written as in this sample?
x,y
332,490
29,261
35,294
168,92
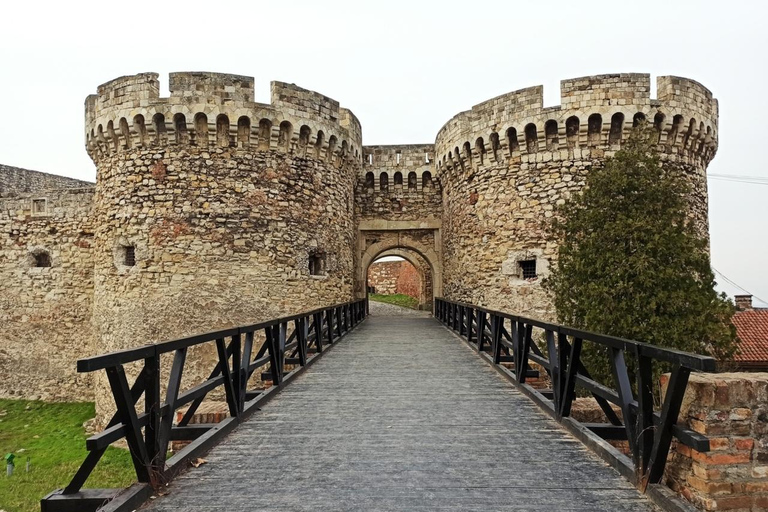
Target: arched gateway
x,y
402,219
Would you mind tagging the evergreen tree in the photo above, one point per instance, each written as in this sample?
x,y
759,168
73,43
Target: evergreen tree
x,y
632,264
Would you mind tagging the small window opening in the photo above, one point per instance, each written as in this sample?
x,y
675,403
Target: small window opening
x,y
38,206
370,158
129,256
426,158
397,156
317,263
411,181
528,269
42,259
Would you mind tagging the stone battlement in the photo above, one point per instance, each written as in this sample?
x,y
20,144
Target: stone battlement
x,y
15,181
217,110
407,166
596,112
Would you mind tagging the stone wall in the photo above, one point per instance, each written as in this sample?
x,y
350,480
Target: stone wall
x,y
418,243
396,183
383,275
14,180
398,204
732,410
409,281
45,311
506,164
232,212
390,277
213,209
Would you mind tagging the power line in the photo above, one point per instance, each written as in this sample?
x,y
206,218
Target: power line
x,y
735,178
739,287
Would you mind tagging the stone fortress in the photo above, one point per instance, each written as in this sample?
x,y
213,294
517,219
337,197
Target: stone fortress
x,y
212,210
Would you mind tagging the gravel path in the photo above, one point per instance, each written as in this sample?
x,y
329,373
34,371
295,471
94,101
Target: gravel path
x,y
383,309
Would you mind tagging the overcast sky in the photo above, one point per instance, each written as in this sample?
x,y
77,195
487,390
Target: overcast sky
x,y
404,68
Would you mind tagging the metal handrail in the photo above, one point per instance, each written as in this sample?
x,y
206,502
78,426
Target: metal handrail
x,y
148,433
507,342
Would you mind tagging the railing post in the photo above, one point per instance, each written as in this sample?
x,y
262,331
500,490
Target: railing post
x,y
525,346
275,356
678,381
226,373
152,408
470,326
302,333
127,413
644,427
329,314
481,319
496,324
554,366
569,387
242,383
621,377
236,342
318,317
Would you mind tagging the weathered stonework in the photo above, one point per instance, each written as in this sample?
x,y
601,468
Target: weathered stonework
x,y
221,217
732,410
506,164
15,181
45,311
212,210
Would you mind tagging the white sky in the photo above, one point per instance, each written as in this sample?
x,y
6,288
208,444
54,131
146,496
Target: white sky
x,y
404,68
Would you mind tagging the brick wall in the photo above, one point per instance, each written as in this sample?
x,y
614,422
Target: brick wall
x,y
409,281
389,277
732,410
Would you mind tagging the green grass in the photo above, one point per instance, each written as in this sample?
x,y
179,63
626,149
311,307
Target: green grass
x,y
52,436
397,299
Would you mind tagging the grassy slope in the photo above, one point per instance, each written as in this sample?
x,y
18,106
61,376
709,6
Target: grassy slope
x,y
52,436
397,299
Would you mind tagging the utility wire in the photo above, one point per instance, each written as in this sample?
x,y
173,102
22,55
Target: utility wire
x,y
752,180
737,286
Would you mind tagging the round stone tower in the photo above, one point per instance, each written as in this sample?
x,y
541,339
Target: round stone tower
x,y
507,163
212,210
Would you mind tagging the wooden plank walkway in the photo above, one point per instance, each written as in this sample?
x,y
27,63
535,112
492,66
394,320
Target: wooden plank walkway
x,y
400,416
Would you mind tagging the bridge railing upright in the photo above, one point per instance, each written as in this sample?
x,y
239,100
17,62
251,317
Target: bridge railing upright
x,y
288,345
511,343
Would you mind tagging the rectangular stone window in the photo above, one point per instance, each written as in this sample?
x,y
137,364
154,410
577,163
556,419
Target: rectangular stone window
x,y
317,263
129,258
528,269
39,206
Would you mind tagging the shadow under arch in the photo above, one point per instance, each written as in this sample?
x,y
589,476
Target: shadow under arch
x,y
376,250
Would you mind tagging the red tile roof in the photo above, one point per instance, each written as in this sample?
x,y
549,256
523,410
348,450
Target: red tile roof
x,y
752,329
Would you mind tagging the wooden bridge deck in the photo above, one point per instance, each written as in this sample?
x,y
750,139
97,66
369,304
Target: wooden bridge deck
x,y
400,415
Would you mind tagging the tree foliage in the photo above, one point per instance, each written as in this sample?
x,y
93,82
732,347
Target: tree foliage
x,y
632,264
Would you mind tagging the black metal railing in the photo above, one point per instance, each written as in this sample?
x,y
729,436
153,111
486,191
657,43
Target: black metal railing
x,y
286,343
508,342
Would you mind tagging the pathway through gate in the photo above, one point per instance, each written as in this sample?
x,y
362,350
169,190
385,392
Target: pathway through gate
x,y
401,416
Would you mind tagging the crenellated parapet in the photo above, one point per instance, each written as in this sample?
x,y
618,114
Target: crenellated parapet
x,y
398,167
396,183
210,110
596,115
